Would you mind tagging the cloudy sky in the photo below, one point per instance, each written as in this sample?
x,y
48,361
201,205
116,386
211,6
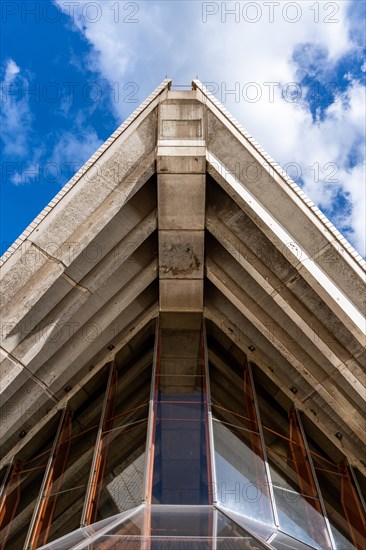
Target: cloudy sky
x,y
293,74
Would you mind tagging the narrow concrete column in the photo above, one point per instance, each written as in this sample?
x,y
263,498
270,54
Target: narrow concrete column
x,y
181,169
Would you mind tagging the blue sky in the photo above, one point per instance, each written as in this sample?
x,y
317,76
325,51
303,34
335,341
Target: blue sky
x,y
293,73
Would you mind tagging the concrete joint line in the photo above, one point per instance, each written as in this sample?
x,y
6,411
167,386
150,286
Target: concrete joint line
x,y
66,277
31,374
47,255
108,357
76,285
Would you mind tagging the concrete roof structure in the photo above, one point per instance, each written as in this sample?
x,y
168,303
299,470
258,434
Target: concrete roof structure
x,y
182,211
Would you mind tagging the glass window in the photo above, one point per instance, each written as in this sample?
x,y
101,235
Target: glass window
x,y
120,454
180,436
297,500
241,480
343,506
163,528
22,488
281,541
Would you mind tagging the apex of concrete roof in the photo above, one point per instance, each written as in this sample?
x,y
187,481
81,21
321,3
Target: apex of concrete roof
x,y
206,97
167,216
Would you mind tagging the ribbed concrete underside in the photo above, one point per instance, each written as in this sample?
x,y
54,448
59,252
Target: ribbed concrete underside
x,y
181,212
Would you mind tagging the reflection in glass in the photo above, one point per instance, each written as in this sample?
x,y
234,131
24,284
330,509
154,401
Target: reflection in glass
x,y
171,528
120,488
296,496
21,491
180,465
61,502
296,513
262,530
46,503
102,452
66,494
117,478
241,481
282,541
92,535
352,507
343,507
229,533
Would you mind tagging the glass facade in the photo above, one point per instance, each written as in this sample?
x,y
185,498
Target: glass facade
x,y
241,479
181,443
180,433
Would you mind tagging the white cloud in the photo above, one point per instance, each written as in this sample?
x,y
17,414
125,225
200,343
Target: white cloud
x,y
73,149
355,185
67,152
321,151
11,71
171,39
15,117
28,158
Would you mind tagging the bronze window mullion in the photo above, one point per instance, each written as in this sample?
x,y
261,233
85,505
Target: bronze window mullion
x,y
91,492
39,519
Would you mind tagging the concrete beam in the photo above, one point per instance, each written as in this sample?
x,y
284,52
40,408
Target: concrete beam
x,y
181,204
325,287
45,267
299,360
299,315
122,339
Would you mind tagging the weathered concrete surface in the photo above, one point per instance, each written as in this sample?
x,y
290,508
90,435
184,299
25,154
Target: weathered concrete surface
x,y
181,254
157,224
181,201
181,204
183,295
325,287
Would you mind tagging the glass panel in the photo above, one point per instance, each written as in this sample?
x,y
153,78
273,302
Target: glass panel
x,y
67,491
280,456
361,480
341,499
352,506
241,480
22,489
344,512
180,470
238,470
126,488
127,525
171,528
85,534
120,464
62,500
297,500
230,533
132,394
231,395
285,542
182,521
263,531
296,515
123,474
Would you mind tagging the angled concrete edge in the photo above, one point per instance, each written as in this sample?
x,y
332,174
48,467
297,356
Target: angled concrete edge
x,y
165,85
313,209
